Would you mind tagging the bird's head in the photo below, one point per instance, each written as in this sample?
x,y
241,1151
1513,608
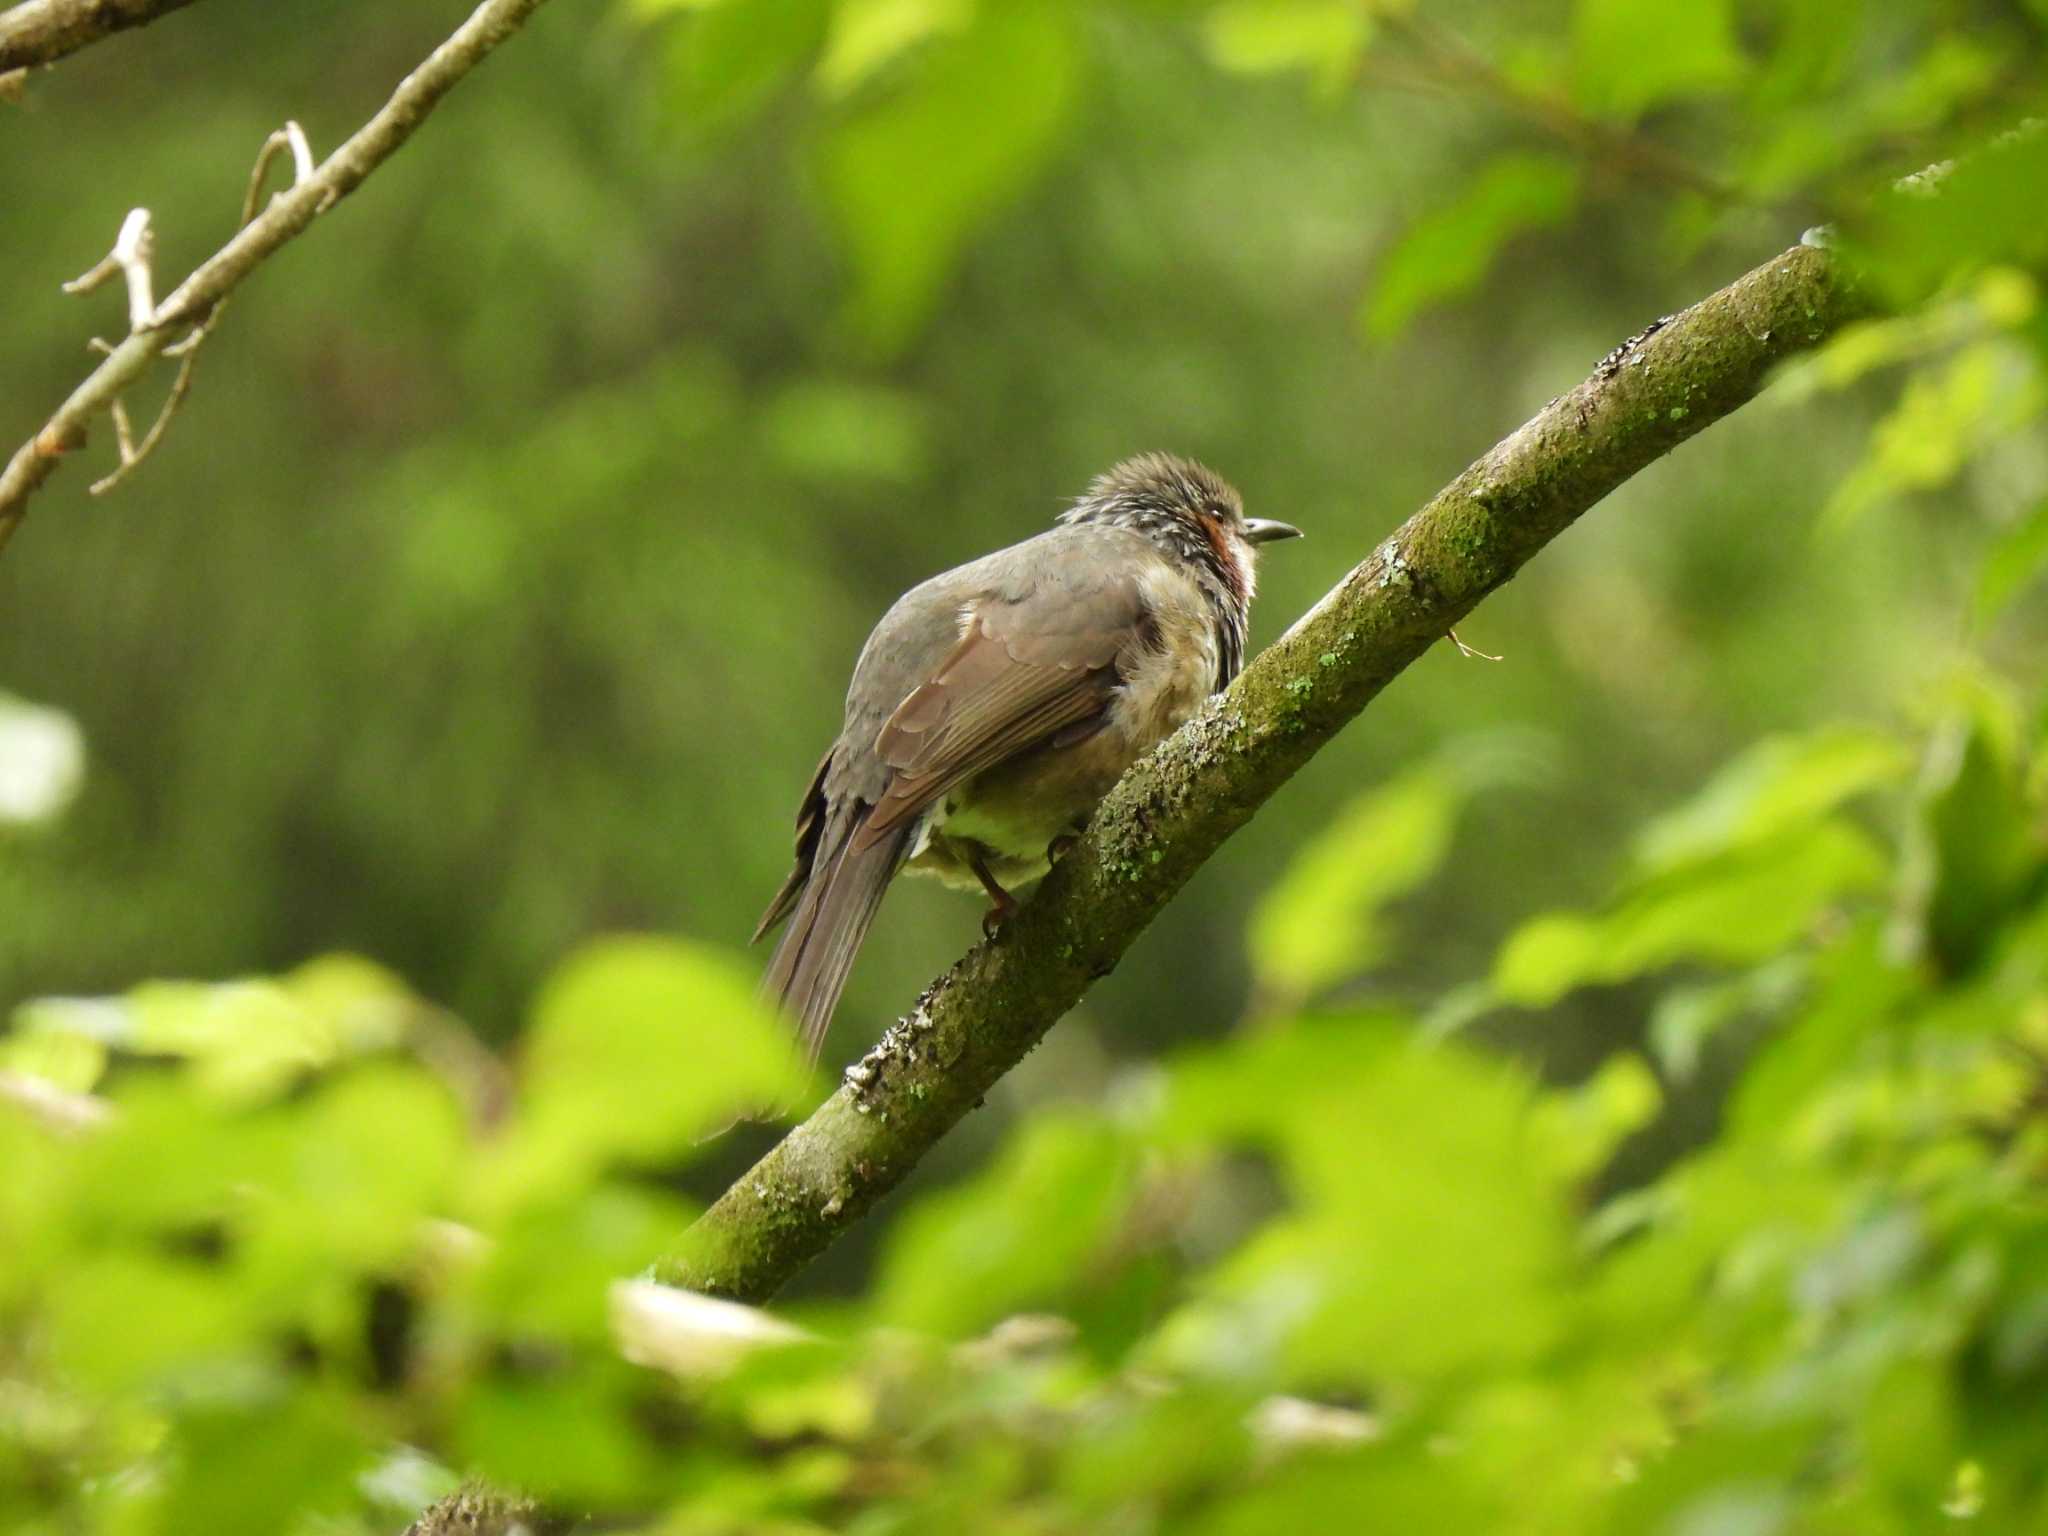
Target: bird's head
x,y
1188,510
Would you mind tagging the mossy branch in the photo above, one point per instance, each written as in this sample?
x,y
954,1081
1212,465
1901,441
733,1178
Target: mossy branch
x,y
1176,807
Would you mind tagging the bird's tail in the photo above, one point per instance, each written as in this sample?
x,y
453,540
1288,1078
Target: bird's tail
x,y
827,922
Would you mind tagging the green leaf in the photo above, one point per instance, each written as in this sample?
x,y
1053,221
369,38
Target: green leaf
x,y
357,1167
2000,299
551,1266
1974,848
1629,56
1447,252
1258,37
1418,1191
565,1434
124,1322
63,1058
1779,783
865,35
1014,1237
1323,921
169,1158
2013,563
1687,1018
263,1467
1984,208
638,1049
1944,418
910,180
247,1039
1583,1125
1739,909
1858,995
728,58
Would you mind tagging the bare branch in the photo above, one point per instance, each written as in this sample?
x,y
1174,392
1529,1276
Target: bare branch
x,y
44,31
1177,806
194,304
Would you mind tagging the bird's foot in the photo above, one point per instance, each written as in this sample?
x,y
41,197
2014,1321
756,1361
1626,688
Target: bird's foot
x,y
1005,904
995,917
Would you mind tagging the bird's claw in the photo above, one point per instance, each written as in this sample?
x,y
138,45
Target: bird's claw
x,y
995,917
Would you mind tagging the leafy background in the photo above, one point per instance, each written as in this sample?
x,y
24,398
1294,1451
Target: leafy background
x,y
1605,1090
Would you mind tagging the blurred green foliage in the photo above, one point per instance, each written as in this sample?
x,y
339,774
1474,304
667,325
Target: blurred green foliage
x,y
1626,1112
1330,1266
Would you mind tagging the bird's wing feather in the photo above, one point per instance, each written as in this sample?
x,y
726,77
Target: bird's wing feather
x,y
810,823
1025,668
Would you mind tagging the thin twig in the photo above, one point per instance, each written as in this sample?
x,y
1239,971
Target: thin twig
x,y
43,31
130,257
290,137
194,303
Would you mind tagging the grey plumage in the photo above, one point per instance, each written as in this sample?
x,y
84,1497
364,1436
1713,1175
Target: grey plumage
x,y
994,704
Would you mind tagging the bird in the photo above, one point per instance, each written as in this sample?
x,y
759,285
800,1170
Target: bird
x,y
995,704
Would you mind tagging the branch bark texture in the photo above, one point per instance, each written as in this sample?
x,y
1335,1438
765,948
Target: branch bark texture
x,y
288,215
44,31
1178,805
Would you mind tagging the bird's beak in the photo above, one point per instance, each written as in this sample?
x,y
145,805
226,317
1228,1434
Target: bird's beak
x,y
1264,530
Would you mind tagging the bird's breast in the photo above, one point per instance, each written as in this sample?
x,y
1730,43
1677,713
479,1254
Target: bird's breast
x,y
1011,812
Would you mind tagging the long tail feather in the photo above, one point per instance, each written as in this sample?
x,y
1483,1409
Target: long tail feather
x,y
830,919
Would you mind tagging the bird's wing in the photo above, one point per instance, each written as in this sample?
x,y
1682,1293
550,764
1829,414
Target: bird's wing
x,y
1026,667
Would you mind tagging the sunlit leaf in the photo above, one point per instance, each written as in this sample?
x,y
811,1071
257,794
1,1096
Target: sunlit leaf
x,y
1583,1125
126,1321
1404,1488
865,35
60,1057
1323,37
1417,1194
356,1169
910,179
1779,783
1447,252
1734,910
639,1047
260,1467
1322,920
1015,1236
2012,564
563,1432
551,1265
1857,995
1945,416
